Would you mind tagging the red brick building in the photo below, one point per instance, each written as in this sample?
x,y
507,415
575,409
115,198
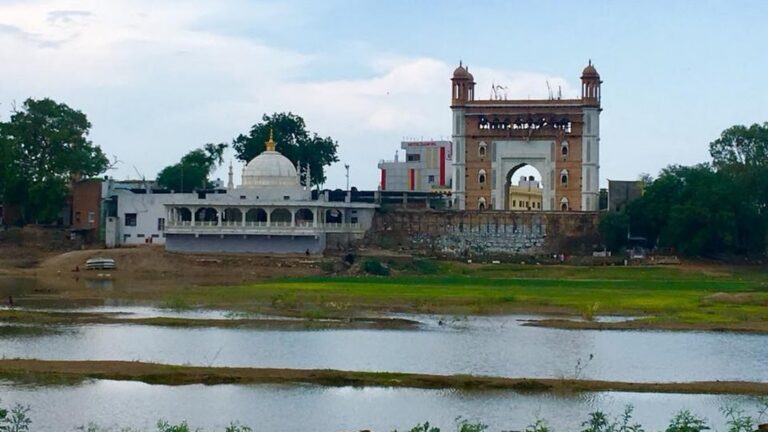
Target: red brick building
x,y
494,138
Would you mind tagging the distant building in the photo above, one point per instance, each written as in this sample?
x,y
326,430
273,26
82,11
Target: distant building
x,y
622,192
424,168
495,137
85,208
526,195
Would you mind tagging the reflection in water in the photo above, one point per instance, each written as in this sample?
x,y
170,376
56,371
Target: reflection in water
x,y
480,345
303,408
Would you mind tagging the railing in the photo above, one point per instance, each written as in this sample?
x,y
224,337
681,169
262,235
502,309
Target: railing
x,y
186,227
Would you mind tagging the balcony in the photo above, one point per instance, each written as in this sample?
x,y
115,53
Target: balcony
x,y
261,228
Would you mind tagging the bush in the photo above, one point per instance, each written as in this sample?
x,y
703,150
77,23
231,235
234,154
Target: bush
x,y
425,266
684,421
375,268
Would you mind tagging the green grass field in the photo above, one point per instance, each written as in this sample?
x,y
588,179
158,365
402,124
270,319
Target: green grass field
x,y
711,295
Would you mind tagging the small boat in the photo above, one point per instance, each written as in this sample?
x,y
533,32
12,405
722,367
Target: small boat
x,y
100,264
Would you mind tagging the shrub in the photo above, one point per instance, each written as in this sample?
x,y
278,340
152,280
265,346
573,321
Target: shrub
x,y
425,266
684,421
375,268
15,420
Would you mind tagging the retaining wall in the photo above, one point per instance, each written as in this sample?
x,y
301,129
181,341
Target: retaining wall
x,y
473,233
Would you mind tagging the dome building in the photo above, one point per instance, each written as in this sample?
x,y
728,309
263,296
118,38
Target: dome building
x,y
271,211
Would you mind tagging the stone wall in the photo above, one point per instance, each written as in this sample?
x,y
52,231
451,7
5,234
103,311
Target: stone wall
x,y
466,234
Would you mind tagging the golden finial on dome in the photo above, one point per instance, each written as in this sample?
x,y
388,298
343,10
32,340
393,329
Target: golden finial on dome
x,y
271,143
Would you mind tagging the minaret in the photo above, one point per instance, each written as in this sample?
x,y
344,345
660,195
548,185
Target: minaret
x,y
590,144
231,182
462,92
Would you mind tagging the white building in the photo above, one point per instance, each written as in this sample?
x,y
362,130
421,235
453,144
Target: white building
x,y
425,168
271,212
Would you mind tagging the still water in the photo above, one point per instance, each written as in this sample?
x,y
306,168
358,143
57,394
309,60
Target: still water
x,y
297,408
498,346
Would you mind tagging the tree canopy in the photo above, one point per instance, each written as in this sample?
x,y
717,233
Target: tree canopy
x,y
193,170
293,140
705,209
43,146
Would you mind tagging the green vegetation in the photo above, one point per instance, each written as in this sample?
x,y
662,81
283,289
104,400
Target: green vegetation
x,y
193,170
667,294
597,421
293,140
375,268
706,209
42,147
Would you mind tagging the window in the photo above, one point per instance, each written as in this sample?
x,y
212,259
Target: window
x,y
413,157
130,219
481,176
242,196
481,203
514,203
77,217
140,235
564,149
564,177
286,197
564,204
431,179
91,217
482,149
161,224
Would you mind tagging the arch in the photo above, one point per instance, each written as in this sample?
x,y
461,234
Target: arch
x,y
481,203
232,216
207,215
482,149
523,188
281,216
256,215
334,216
564,177
182,214
564,204
304,216
481,176
564,149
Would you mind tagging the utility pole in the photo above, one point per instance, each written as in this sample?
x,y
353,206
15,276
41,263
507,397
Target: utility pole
x,y
346,167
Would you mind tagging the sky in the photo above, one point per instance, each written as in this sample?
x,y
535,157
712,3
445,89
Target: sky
x,y
158,78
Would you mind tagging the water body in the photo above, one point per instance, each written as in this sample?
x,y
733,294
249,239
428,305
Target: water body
x,y
311,408
498,346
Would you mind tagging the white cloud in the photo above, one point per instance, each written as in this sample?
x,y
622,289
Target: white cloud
x,y
155,83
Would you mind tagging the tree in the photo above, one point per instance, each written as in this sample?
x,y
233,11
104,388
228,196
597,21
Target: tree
x,y
193,170
613,230
42,147
741,146
293,141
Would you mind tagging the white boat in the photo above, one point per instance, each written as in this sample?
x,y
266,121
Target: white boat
x,y
100,264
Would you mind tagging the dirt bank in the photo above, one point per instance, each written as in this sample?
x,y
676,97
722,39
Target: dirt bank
x,y
80,318
650,324
51,372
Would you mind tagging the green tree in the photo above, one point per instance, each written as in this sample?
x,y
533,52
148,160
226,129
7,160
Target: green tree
x,y
293,141
613,230
42,146
193,170
741,146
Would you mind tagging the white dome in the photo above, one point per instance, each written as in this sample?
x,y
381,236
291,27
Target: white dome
x,y
270,168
